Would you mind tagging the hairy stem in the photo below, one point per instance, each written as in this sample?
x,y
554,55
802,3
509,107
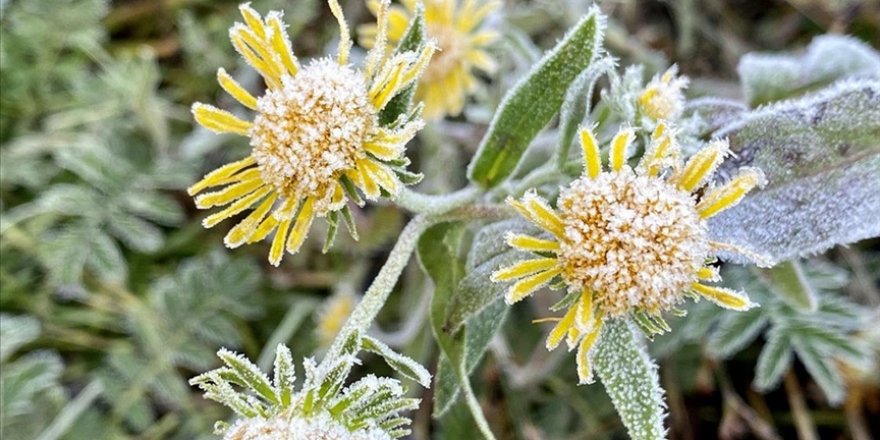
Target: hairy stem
x,y
433,205
374,298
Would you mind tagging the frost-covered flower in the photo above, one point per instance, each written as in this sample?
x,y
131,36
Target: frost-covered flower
x,y
316,135
457,28
627,242
663,99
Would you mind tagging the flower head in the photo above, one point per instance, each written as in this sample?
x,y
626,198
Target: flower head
x,y
316,135
325,406
627,242
456,27
662,99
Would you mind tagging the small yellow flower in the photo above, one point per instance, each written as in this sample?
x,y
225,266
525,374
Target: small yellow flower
x,y
663,99
315,137
456,27
332,316
627,242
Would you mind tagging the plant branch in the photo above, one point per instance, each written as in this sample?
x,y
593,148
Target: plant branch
x,y
433,205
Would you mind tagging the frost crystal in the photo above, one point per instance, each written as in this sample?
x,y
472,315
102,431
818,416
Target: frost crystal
x,y
636,241
311,130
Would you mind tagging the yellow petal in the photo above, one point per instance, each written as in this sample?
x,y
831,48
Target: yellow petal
x,y
220,121
526,286
726,298
281,43
592,160
619,146
584,307
256,53
271,222
731,193
523,268
366,182
543,215
276,252
234,89
383,176
229,194
584,369
219,176
239,234
252,19
708,273
344,33
533,244
301,227
237,207
561,329
702,165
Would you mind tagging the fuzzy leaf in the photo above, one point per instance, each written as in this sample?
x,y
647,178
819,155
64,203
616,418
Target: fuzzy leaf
x,y
446,387
400,363
630,379
771,77
249,374
773,362
533,102
735,331
16,331
821,155
789,281
476,291
577,103
821,367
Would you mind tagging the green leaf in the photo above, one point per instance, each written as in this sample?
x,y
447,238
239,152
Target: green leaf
x,y
771,77
821,368
137,234
400,363
16,331
576,104
735,331
821,156
446,387
630,379
533,102
476,291
774,361
249,374
105,258
789,282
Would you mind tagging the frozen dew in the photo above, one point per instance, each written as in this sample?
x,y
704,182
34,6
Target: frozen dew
x,y
636,241
312,129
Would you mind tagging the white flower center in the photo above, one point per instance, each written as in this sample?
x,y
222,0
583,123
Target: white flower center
x,y
635,241
312,129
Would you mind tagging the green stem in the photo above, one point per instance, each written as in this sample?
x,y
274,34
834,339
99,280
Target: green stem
x,y
435,205
474,405
374,298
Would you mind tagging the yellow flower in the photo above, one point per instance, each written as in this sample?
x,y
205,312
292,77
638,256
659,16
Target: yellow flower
x,y
663,99
627,242
455,25
315,136
332,316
